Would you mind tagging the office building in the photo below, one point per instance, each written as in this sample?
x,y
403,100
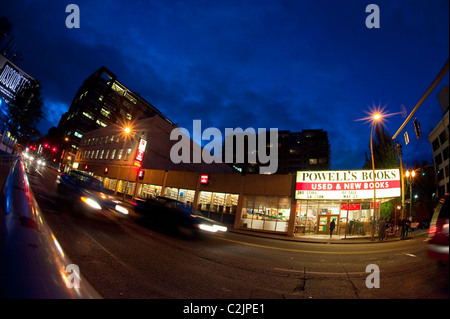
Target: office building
x,y
101,101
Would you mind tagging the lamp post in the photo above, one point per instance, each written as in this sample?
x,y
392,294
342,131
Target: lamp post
x,y
127,131
136,159
410,176
375,119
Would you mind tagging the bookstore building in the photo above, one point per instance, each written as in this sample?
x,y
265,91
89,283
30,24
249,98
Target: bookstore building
x,y
291,204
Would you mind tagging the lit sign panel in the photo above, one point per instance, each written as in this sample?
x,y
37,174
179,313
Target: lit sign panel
x,y
12,80
356,184
141,150
204,179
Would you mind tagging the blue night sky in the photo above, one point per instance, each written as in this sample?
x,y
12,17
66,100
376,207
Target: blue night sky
x,y
291,65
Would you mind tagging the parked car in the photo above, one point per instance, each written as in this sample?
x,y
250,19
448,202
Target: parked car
x,y
175,216
86,195
438,243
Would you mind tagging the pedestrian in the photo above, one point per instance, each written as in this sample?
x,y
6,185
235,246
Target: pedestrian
x,y
381,230
332,226
401,225
407,224
351,227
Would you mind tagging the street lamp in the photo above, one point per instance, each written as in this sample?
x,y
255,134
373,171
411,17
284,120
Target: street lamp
x,y
376,117
410,176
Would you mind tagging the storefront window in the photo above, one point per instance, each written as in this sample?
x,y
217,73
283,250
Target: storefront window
x,y
186,196
266,213
183,195
109,183
204,201
314,217
171,192
222,203
147,190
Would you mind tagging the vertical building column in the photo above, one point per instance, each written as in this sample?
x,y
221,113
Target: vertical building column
x,y
163,188
237,219
292,217
196,194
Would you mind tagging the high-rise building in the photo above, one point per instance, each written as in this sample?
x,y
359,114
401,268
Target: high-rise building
x,y
100,101
305,150
297,151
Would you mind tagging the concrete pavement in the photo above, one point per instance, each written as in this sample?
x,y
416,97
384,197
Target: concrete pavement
x,y
325,239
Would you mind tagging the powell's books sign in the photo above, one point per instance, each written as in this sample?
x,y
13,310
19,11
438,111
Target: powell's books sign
x,y
341,185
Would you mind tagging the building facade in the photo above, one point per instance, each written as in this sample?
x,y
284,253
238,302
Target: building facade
x,y
439,139
282,203
305,150
101,101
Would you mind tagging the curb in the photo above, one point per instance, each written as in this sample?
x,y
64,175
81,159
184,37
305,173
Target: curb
x,y
361,240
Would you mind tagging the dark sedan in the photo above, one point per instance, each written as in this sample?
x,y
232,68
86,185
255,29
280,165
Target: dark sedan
x,y
86,195
173,215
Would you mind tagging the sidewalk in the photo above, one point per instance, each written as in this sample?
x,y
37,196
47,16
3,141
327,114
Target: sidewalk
x,y
325,239
4,171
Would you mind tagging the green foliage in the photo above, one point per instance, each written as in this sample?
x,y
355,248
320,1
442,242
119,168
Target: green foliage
x,y
384,151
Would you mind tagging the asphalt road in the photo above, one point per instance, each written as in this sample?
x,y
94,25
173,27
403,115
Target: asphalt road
x,y
131,260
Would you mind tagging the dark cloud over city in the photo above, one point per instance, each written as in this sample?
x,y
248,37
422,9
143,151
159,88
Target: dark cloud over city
x,y
291,65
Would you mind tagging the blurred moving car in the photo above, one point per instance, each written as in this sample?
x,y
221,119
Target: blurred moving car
x,y
86,194
173,215
438,244
33,163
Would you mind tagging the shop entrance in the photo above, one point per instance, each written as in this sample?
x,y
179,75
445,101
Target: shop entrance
x,y
324,224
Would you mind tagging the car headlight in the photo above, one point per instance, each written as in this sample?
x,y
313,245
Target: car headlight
x,y
122,209
212,228
90,202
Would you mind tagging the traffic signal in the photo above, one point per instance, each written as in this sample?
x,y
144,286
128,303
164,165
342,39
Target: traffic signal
x,y
106,170
417,128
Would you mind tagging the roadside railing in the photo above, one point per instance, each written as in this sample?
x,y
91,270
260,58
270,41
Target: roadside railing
x,y
32,263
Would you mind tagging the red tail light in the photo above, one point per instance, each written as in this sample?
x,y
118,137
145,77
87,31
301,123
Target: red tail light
x,y
432,230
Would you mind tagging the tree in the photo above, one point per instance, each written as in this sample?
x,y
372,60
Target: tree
x,y
25,112
384,151
385,156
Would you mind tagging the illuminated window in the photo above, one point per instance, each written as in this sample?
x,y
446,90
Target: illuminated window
x,y
107,154
120,154
113,154
105,113
118,88
128,154
130,98
78,134
88,115
101,123
101,154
